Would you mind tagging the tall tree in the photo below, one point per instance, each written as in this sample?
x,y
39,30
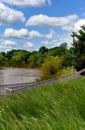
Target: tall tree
x,y
79,49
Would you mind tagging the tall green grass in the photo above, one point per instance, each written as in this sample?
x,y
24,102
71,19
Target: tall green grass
x,y
51,107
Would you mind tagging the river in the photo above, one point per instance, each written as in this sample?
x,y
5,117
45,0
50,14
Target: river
x,y
18,75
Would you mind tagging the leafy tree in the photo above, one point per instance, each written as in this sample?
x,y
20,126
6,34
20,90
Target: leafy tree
x,y
19,59
43,50
63,46
62,49
9,54
53,51
32,60
79,49
68,58
35,60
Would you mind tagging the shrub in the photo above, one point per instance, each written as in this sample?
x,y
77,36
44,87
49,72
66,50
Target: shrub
x,y
51,67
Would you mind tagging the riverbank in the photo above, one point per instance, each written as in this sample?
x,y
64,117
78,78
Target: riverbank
x,y
51,107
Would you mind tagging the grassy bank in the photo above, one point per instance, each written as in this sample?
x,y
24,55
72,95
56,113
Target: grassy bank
x,y
51,107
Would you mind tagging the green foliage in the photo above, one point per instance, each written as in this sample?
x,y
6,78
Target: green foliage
x,y
80,62
58,51
1,60
79,49
52,52
62,48
9,54
43,50
51,66
35,59
68,59
19,59
51,107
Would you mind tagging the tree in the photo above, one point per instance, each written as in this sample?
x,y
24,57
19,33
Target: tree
x,y
35,60
9,54
68,58
43,50
19,59
62,49
79,49
53,51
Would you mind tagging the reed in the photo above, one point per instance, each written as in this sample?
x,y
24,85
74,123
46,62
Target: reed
x,y
51,107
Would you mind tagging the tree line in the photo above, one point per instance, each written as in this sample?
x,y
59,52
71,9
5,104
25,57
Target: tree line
x,y
54,58
35,59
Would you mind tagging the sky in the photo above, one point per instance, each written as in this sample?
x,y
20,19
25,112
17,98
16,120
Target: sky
x,y
30,24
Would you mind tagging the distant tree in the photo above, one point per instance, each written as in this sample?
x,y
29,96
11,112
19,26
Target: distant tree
x,y
68,59
19,59
32,60
43,50
63,46
62,49
53,51
35,60
10,53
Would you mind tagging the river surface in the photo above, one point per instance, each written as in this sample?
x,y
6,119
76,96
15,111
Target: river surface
x,y
18,75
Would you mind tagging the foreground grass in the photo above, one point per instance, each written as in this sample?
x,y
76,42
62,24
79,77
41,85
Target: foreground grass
x,y
51,107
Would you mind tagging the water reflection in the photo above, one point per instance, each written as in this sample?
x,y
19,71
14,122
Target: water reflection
x,y
15,75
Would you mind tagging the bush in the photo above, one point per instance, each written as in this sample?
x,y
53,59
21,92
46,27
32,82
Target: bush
x,y
51,67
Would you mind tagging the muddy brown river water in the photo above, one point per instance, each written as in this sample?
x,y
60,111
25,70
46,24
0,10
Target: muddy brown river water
x,y
18,75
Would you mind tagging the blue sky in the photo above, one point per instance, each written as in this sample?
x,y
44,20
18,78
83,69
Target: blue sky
x,y
30,24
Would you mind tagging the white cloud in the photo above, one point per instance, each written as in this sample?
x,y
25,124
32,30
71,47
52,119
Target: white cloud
x,y
10,16
22,33
24,3
46,21
29,46
78,24
56,41
34,33
51,35
68,23
50,43
6,45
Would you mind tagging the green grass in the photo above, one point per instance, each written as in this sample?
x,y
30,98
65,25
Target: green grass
x,y
51,107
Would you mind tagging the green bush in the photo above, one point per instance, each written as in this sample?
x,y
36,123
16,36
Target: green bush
x,y
51,67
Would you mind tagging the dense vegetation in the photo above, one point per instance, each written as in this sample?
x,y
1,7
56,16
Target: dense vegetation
x,y
79,48
23,58
61,56
50,61
51,107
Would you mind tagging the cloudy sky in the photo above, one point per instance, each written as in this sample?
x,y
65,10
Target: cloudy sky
x,y
30,24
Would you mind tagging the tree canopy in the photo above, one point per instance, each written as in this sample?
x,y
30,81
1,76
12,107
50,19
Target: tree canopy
x,y
79,49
